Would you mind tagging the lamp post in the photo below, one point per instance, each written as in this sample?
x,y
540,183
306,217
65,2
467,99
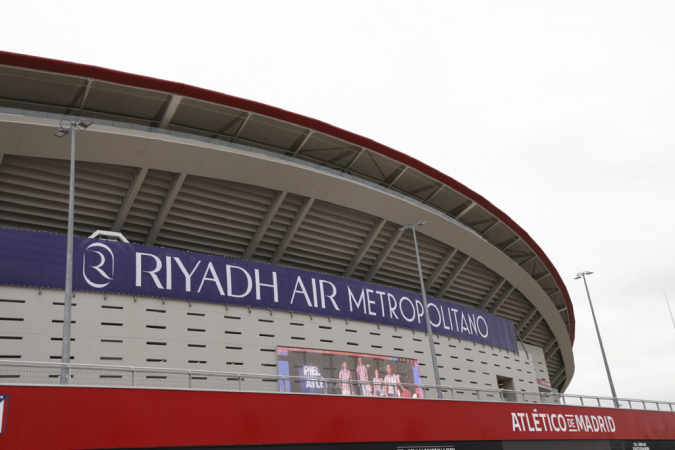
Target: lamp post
x,y
411,226
597,330
69,125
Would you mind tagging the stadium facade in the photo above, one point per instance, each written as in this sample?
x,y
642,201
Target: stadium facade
x,y
261,242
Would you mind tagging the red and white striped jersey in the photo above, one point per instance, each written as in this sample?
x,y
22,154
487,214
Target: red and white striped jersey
x,y
345,375
377,385
391,380
362,372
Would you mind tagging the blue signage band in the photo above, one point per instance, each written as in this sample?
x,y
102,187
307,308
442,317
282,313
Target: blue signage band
x,y
29,258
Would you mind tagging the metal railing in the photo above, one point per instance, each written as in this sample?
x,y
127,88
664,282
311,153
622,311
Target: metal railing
x,y
91,375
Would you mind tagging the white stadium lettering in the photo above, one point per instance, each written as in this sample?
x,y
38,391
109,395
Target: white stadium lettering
x,y
465,325
485,325
330,296
419,310
300,289
392,306
541,422
353,301
230,281
438,314
274,286
412,308
370,302
188,275
213,278
152,273
381,294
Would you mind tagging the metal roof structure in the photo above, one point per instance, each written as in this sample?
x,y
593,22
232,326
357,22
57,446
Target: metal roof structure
x,y
151,205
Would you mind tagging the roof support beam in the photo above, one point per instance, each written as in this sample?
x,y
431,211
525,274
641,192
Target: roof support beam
x,y
549,344
508,243
453,276
514,254
221,133
541,276
479,222
528,260
128,202
440,188
440,268
340,156
488,297
170,110
531,327
557,376
241,127
161,216
368,241
468,208
526,319
398,175
84,96
358,155
500,301
264,224
550,354
302,141
494,223
551,291
290,233
422,189
383,255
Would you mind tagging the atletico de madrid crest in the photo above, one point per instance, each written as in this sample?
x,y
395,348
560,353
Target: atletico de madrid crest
x,y
4,410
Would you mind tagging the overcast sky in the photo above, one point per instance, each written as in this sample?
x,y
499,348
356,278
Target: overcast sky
x,y
560,113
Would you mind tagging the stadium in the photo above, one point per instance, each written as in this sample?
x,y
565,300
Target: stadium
x,y
262,243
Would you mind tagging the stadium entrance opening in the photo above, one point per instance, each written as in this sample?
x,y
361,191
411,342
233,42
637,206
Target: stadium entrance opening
x,y
506,383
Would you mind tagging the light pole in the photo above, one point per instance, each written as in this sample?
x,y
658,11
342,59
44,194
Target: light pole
x,y
597,330
69,125
411,226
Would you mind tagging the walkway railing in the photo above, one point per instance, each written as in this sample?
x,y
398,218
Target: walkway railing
x,y
90,375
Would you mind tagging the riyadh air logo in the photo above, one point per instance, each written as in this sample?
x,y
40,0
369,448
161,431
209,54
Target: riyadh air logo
x,y
98,265
4,412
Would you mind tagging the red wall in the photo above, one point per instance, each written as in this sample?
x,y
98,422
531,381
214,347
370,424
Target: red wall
x,y
71,417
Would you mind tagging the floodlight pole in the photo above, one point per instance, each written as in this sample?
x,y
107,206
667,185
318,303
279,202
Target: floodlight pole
x,y
411,226
69,125
67,304
597,330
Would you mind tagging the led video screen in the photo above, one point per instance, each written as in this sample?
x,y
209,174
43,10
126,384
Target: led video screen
x,y
348,373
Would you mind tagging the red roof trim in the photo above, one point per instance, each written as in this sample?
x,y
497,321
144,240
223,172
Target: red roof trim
x,y
114,76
